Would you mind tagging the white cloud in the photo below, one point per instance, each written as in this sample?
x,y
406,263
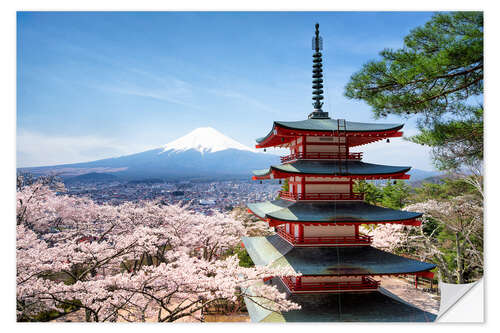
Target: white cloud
x,y
163,94
243,98
144,84
38,149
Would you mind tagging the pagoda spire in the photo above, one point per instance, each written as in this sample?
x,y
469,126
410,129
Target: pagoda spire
x,y
317,74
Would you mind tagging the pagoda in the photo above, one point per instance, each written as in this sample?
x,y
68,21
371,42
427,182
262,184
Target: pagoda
x,y
317,220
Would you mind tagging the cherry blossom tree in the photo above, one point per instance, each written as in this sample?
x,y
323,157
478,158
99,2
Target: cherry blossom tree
x,y
451,236
461,216
134,261
387,236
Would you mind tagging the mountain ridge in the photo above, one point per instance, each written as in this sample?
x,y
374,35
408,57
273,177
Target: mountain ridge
x,y
203,153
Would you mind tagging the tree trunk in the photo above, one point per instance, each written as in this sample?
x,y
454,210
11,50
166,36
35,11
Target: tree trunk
x,y
460,278
87,315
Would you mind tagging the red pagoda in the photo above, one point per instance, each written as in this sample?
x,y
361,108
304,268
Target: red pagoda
x,y
317,221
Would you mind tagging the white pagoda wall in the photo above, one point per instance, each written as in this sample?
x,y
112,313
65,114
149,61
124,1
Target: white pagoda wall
x,y
327,188
334,148
328,231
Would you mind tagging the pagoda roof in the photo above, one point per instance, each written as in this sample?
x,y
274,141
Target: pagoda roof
x,y
328,212
328,127
375,306
332,125
346,261
357,169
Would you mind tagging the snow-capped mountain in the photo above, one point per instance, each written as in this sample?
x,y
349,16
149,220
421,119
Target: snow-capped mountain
x,y
205,139
204,153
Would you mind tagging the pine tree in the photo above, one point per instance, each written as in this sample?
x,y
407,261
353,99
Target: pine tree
x,y
437,76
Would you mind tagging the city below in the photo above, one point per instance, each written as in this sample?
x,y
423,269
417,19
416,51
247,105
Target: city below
x,y
203,197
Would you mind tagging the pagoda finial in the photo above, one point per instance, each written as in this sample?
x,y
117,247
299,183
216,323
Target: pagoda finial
x,y
317,45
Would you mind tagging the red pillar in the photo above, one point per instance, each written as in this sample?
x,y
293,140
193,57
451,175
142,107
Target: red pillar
x,y
303,185
347,145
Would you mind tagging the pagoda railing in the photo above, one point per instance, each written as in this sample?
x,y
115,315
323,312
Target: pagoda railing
x,y
321,156
321,196
360,239
364,284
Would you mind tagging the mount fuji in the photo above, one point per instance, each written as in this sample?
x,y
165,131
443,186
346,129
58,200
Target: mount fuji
x,y
204,153
204,139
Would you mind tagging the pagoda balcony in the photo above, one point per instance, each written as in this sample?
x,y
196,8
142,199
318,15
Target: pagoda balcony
x,y
307,287
321,156
321,196
298,241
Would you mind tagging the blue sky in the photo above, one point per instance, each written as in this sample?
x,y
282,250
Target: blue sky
x,y
97,85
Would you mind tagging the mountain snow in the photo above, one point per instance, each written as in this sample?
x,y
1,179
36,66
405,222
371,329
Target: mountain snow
x,y
204,140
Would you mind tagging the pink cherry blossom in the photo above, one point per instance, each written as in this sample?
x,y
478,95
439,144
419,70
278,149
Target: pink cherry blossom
x,y
133,261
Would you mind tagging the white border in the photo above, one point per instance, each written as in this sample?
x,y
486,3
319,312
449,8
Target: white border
x,y
8,70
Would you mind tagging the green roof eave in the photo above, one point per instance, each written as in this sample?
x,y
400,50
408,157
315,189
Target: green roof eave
x,y
261,172
354,168
328,212
341,261
332,125
320,125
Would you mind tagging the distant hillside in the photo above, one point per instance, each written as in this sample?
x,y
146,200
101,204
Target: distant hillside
x,y
92,177
419,175
146,181
433,180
